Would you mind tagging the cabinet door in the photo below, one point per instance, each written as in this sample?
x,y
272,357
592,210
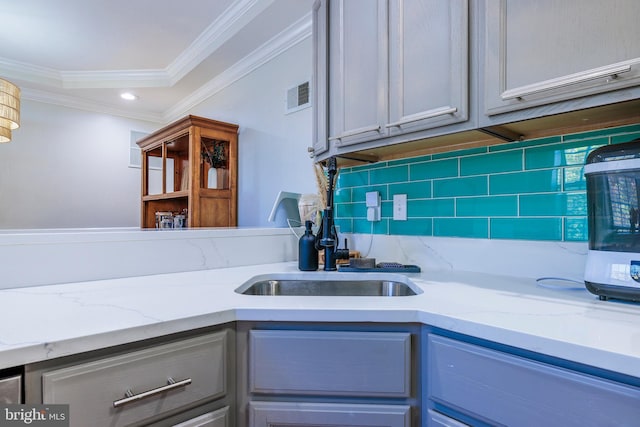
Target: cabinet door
x,y
357,70
428,64
330,363
545,51
503,389
320,14
269,414
135,386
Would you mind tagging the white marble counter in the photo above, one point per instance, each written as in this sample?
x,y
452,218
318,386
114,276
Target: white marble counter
x,y
52,321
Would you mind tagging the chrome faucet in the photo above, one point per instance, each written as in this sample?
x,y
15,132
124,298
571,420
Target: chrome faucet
x,y
327,236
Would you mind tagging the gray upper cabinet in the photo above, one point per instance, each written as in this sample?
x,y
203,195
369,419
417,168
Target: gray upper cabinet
x,y
546,51
357,70
393,68
428,64
320,76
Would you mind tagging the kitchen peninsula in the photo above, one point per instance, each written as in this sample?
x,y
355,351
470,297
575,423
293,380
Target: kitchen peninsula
x,y
490,321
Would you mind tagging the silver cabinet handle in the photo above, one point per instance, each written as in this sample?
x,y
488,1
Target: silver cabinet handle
x,y
443,111
572,79
131,397
375,128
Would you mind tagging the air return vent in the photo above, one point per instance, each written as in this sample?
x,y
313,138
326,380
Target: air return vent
x,y
298,97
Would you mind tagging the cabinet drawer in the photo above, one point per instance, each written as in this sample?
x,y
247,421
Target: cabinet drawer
x,y
330,363
219,418
505,389
91,388
271,414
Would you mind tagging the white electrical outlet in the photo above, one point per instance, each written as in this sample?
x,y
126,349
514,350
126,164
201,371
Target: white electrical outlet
x,y
400,207
373,206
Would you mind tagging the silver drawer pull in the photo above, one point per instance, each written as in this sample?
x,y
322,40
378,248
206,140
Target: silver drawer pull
x,y
355,132
131,397
585,76
443,111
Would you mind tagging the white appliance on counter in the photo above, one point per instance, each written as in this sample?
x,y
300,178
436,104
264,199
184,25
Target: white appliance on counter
x,y
613,207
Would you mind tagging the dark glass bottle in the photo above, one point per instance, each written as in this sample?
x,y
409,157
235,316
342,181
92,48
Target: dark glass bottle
x,y
307,252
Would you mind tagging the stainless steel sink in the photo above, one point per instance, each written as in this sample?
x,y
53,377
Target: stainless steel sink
x,y
283,285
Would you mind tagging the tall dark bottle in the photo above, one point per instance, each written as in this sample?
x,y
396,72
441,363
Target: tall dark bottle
x,y
307,252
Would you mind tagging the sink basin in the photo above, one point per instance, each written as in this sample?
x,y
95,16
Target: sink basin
x,y
282,285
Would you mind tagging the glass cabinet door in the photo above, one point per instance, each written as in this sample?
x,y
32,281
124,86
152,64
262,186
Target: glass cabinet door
x,y
214,164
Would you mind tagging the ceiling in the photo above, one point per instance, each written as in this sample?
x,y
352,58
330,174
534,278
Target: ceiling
x,y
171,54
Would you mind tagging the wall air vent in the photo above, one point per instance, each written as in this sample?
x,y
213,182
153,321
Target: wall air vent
x,y
298,97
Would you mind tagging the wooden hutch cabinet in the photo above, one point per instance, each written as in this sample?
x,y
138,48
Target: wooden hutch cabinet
x,y
190,167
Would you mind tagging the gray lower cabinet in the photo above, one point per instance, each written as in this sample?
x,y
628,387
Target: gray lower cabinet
x,y
271,414
545,51
329,378
497,388
436,419
219,418
160,384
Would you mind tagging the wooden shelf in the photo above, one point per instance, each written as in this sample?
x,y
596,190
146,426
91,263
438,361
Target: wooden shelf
x,y
165,196
178,168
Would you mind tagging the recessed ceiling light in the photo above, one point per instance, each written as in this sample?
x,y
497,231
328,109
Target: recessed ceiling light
x,y
128,96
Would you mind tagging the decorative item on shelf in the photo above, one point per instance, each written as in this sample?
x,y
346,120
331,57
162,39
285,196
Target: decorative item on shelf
x,y
9,109
217,161
164,220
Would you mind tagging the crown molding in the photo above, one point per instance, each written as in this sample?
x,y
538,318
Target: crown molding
x,y
291,36
47,97
239,14
30,73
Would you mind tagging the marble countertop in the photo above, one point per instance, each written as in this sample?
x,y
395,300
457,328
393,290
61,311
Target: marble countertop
x,y
46,322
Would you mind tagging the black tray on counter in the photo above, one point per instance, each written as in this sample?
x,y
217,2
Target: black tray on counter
x,y
384,267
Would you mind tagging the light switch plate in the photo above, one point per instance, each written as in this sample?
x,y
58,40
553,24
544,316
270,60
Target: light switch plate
x,y
400,207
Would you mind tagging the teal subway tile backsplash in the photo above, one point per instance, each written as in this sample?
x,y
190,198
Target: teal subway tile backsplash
x,y
505,161
389,174
435,169
547,180
532,190
467,186
461,227
575,229
431,208
563,154
413,190
412,227
487,206
555,204
526,228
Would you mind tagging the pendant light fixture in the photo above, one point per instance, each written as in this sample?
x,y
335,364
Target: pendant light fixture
x,y
9,109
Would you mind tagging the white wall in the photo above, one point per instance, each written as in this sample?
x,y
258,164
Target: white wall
x,y
67,168
272,146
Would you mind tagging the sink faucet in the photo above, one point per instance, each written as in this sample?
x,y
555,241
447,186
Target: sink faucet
x,y
327,235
